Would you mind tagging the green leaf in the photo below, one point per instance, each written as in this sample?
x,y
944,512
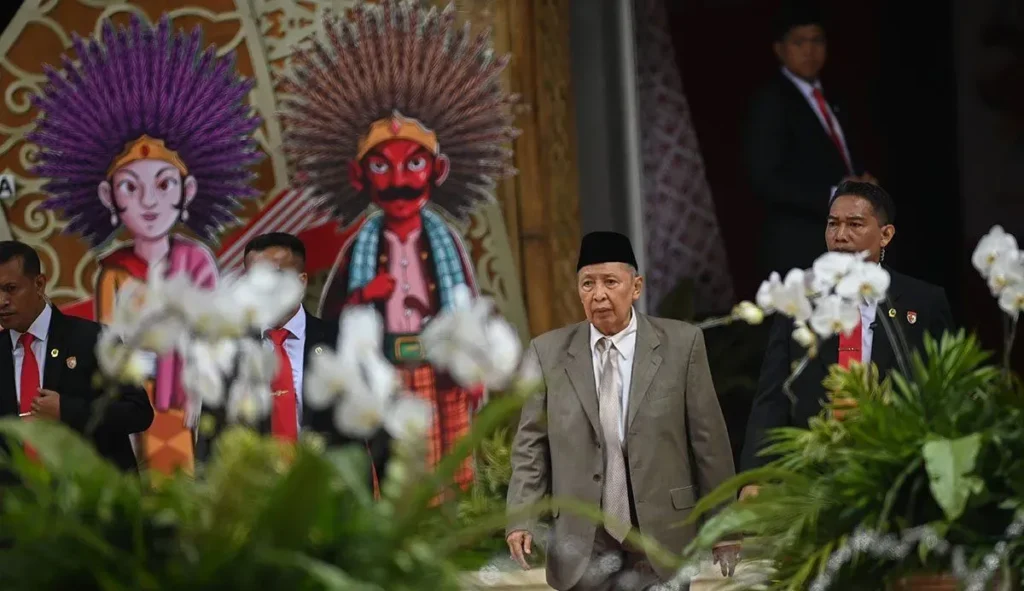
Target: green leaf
x,y
949,463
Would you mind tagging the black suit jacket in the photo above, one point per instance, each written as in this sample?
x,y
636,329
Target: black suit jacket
x,y
792,166
68,369
772,408
319,335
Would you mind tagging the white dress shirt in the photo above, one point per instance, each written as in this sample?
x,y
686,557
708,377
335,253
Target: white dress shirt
x,y
625,345
40,329
867,318
295,348
807,90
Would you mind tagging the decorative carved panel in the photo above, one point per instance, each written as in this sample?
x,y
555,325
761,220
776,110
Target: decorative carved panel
x,y
541,204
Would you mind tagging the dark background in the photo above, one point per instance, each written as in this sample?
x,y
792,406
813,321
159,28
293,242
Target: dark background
x,y
894,64
871,44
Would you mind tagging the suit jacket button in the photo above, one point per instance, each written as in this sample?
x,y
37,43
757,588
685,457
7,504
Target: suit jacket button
x,y
597,478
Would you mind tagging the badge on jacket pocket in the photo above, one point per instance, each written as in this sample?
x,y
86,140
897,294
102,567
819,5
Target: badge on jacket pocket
x,y
72,362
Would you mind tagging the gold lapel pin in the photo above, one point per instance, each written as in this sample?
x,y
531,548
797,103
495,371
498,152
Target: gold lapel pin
x,y
318,351
892,312
54,352
72,362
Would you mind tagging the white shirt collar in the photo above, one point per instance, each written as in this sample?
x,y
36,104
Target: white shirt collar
x,y
806,88
39,329
624,340
296,325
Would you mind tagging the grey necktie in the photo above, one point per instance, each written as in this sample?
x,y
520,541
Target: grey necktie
x,y
614,497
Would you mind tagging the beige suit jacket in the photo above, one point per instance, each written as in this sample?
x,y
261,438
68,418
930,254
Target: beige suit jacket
x,y
676,439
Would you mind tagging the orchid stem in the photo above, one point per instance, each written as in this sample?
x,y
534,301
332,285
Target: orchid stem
x,y
1010,334
787,386
715,322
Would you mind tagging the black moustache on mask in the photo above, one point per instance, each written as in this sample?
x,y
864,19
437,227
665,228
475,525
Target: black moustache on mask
x,y
400,194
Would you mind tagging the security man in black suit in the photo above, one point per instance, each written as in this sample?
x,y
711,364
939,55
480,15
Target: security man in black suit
x,y
307,336
799,144
48,363
860,219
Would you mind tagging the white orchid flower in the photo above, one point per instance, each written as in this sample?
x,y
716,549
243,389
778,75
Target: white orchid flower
x,y
748,312
804,336
360,327
767,290
201,376
264,294
360,413
991,246
830,268
504,352
833,315
117,363
324,380
256,361
248,402
864,283
472,344
408,418
791,299
1007,270
1011,300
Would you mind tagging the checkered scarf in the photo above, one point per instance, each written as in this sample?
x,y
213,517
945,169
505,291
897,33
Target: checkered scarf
x,y
443,251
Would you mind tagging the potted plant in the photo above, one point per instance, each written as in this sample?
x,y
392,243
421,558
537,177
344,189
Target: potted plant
x,y
921,487
262,514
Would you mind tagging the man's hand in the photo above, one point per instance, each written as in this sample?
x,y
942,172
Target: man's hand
x,y
842,407
47,405
727,556
520,544
379,288
749,491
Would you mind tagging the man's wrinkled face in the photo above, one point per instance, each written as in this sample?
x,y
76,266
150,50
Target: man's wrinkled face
x,y
853,226
608,291
398,175
803,51
22,297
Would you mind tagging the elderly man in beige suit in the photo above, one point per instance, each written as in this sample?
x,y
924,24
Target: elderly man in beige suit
x,y
628,420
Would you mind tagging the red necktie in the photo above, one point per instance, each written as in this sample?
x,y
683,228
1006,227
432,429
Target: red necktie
x,y
284,418
832,133
29,381
849,347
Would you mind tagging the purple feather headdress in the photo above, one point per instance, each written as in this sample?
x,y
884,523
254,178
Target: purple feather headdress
x,y
145,80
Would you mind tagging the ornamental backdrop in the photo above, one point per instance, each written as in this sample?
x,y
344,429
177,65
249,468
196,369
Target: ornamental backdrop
x,y
263,35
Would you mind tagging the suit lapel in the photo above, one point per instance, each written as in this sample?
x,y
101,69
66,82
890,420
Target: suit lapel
x,y
316,337
580,369
882,353
811,116
646,362
8,388
828,352
55,342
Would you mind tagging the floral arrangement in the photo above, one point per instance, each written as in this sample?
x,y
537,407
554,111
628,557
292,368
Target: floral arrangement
x,y
263,513
925,476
